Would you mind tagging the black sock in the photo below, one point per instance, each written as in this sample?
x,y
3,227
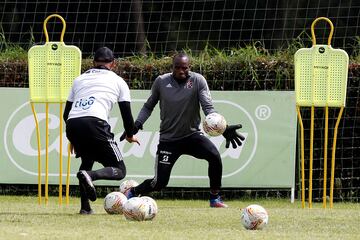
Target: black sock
x,y
214,194
85,204
107,173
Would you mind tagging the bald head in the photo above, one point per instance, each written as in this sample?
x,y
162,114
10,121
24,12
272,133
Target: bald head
x,y
180,56
181,66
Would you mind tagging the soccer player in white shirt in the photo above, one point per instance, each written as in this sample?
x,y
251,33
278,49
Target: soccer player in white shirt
x,y
86,114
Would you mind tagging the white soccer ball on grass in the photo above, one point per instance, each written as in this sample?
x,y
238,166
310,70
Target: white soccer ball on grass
x,y
254,217
114,202
150,207
134,209
214,124
140,209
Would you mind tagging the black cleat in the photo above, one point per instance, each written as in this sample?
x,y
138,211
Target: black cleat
x,y
86,212
85,181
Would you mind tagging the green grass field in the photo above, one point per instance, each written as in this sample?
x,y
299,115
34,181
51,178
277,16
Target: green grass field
x,y
23,218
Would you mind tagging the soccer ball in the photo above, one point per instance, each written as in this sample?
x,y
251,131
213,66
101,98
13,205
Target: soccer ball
x,y
150,207
113,202
254,217
125,185
134,209
214,124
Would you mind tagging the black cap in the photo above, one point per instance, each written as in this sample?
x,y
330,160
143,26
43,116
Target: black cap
x,y
104,54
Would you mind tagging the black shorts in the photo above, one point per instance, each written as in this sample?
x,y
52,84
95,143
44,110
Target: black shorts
x,y
196,145
93,141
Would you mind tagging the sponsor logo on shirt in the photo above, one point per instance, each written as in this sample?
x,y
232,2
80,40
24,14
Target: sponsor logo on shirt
x,y
189,84
85,103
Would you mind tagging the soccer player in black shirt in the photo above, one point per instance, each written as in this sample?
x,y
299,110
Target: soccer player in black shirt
x,y
180,95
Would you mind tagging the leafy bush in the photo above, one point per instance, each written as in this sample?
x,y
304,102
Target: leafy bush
x,y
248,68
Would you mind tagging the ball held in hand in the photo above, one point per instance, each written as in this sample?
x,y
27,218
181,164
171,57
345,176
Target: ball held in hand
x,y
214,124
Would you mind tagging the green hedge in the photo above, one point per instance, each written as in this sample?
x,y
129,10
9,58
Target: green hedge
x,y
248,68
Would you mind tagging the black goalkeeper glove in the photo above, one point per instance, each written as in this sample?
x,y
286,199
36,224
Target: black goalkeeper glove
x,y
138,126
232,136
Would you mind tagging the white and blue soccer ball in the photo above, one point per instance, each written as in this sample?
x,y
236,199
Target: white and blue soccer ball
x,y
151,208
127,184
140,209
114,202
254,217
214,124
134,209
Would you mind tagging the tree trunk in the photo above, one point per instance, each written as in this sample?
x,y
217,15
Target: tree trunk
x,y
139,27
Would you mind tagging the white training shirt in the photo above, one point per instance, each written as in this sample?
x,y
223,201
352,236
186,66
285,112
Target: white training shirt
x,y
94,93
